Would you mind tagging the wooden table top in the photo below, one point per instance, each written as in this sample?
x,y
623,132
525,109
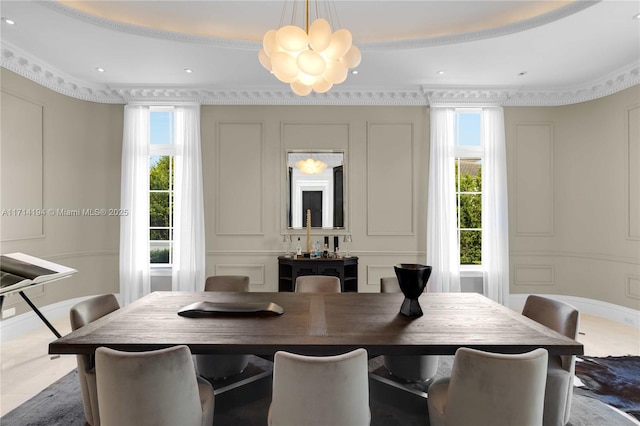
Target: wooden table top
x,y
321,324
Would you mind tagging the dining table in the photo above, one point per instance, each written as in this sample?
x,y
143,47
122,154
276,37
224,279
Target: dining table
x,y
262,323
316,324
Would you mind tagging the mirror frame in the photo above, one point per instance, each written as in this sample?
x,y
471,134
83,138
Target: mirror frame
x,y
286,189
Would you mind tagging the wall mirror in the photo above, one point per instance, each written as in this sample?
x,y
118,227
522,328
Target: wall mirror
x,y
315,181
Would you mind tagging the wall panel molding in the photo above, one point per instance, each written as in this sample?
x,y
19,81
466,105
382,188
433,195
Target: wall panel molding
x,y
633,286
390,184
573,254
255,272
375,272
632,121
305,135
534,180
525,275
239,206
23,205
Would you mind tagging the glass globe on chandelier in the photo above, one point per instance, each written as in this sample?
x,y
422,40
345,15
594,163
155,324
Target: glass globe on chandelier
x,y
309,60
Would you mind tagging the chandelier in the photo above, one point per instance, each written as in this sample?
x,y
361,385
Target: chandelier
x,y
311,166
313,59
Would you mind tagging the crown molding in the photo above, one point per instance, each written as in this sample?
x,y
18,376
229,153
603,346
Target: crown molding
x,y
279,96
510,96
20,62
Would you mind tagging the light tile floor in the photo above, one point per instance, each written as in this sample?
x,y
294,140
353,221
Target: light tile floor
x,y
26,368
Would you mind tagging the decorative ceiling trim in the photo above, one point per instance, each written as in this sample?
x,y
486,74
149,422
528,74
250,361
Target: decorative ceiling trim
x,y
25,65
260,96
505,96
484,34
45,75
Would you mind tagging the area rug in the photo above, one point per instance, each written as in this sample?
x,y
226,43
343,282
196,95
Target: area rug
x,y
61,405
614,380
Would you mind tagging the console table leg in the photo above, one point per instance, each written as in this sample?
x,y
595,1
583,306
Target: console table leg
x,y
37,311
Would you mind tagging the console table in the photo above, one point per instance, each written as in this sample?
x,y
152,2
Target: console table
x,y
345,268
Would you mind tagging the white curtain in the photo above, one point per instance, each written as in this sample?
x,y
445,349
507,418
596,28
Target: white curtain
x,y
495,210
188,215
443,253
134,198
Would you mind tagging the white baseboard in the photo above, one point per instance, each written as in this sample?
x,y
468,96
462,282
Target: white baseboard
x,y
11,328
606,310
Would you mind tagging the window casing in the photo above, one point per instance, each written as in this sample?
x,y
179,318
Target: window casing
x,y
468,153
162,150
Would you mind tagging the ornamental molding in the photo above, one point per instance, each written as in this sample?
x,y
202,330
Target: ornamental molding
x,y
511,96
416,43
45,75
284,96
20,62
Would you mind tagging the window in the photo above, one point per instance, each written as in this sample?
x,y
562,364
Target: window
x,y
161,185
468,154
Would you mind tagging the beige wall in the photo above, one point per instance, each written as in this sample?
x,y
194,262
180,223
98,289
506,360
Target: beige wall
x,y
60,153
244,170
573,197
573,189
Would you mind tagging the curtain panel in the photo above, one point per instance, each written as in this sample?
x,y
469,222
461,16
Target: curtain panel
x,y
189,237
443,252
495,207
134,198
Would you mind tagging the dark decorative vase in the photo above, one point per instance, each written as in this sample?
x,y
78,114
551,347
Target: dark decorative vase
x,y
413,280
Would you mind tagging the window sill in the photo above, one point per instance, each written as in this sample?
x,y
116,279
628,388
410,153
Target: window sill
x,y
471,271
161,270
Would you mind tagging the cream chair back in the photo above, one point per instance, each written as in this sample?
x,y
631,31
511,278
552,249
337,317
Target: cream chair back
x,y
152,388
227,283
329,390
81,314
564,319
490,389
317,284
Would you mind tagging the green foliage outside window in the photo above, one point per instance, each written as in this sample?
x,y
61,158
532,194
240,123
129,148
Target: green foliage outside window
x,y
160,205
159,255
469,210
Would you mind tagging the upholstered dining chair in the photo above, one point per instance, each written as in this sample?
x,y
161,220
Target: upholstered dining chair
x,y
227,283
416,368
317,284
324,390
564,319
80,315
157,388
214,367
490,389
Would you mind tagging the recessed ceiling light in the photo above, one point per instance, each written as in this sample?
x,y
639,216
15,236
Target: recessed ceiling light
x,y
636,16
100,69
440,72
520,74
8,21
354,72
188,70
